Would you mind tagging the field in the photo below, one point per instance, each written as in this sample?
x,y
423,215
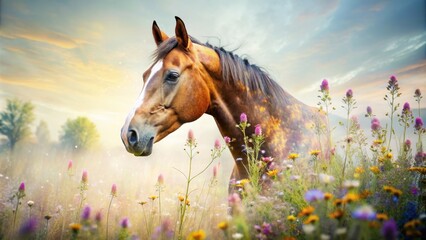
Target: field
x,y
369,185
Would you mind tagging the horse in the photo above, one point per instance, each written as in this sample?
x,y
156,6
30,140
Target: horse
x,y
188,79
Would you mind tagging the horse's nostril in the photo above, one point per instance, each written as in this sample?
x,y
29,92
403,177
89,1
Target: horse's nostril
x,y
132,136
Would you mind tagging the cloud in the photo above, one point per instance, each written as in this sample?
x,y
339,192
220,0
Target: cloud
x,y
14,28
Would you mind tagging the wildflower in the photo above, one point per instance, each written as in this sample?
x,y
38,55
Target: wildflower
x,y
142,203
389,230
70,166
272,173
364,194
349,94
197,235
308,228
290,238
306,211
30,203
187,202
338,202
392,81
29,227
350,197
243,118
98,217
291,218
85,215
406,108
382,217
325,237
407,145
265,228
125,223
114,190
338,214
191,138
314,152
237,235
47,217
75,227
222,225
160,179
267,159
21,188
369,111
412,224
153,197
311,219
417,93
418,125
341,231
328,196
215,169
84,177
258,130
217,144
377,141
324,86
375,169
234,199
181,198
227,140
375,124
365,212
373,224
351,184
324,178
314,195
293,156
414,190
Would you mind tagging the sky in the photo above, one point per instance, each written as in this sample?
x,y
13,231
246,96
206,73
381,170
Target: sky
x,y
86,58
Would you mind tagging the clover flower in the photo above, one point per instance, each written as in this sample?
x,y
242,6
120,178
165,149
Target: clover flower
x,y
191,138
418,125
227,140
324,86
217,144
349,94
243,118
375,124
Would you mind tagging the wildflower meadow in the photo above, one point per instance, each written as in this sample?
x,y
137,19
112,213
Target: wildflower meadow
x,y
367,183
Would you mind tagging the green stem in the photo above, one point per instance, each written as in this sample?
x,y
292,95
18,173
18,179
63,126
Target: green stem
x,y
107,219
188,182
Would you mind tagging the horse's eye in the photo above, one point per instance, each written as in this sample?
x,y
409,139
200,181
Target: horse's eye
x,y
172,77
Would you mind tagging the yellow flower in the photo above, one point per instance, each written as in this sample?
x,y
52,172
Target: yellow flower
x,y
382,217
197,235
181,198
328,196
293,156
412,224
142,203
389,155
338,214
350,197
307,211
291,218
421,170
375,169
315,152
378,141
223,225
359,170
187,202
242,183
152,197
311,219
75,227
272,173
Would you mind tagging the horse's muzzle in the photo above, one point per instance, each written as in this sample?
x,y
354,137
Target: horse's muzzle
x,y
139,142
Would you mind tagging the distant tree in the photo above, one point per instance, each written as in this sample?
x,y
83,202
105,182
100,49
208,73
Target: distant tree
x,y
79,133
42,133
15,120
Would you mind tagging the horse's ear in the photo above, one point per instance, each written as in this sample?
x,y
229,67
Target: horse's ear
x,y
181,35
159,36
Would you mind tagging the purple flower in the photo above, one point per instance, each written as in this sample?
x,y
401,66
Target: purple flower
x,y
375,124
365,212
419,158
389,230
418,125
125,222
324,86
407,145
369,111
392,81
85,215
22,187
349,94
227,140
414,190
258,130
234,199
266,228
243,118
314,195
29,227
406,107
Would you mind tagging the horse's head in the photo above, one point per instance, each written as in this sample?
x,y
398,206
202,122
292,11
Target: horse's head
x,y
174,92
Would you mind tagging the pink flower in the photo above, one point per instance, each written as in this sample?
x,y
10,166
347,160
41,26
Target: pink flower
x,y
227,140
369,111
191,138
258,130
375,124
160,179
392,80
406,108
324,86
217,144
234,199
243,118
70,165
215,169
114,190
98,216
125,222
22,187
84,177
418,124
349,94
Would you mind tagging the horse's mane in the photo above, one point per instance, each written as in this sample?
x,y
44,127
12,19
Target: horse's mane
x,y
236,69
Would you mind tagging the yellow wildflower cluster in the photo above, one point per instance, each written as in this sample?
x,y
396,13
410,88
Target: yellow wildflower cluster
x,y
410,228
272,173
421,170
315,152
311,219
394,191
307,211
293,156
375,169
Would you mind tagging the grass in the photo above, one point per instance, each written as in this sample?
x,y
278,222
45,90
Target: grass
x,y
366,191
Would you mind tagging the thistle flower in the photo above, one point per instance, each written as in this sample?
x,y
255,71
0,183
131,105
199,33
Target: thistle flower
x,y
21,188
418,125
84,177
243,118
406,108
85,215
258,130
314,195
392,81
265,228
349,94
324,86
125,223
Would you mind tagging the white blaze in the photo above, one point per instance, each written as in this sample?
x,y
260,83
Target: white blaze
x,y
141,97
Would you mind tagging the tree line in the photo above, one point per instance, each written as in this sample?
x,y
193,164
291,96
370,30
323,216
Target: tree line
x,y
15,121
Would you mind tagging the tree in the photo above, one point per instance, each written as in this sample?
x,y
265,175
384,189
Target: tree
x,y
15,120
79,133
42,133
